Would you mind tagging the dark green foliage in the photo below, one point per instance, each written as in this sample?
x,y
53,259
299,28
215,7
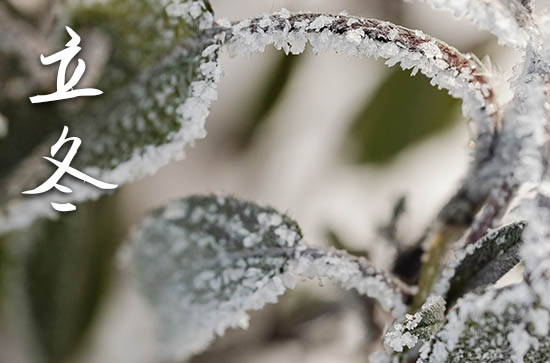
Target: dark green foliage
x,y
268,97
63,275
486,340
495,254
403,110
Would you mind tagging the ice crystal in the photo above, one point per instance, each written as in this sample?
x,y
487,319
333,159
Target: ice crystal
x,y
420,326
353,273
191,11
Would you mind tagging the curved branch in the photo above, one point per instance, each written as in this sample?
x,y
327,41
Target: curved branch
x,y
461,74
357,273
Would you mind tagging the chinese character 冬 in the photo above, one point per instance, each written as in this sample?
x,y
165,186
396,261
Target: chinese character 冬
x,y
65,167
65,89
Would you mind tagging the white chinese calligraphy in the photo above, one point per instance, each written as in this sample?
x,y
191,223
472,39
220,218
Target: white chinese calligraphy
x,y
64,167
65,89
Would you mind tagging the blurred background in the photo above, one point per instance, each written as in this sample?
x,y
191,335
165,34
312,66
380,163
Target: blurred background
x,y
335,142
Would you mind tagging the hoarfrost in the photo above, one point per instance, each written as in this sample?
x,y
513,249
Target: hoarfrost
x,y
420,326
353,273
191,11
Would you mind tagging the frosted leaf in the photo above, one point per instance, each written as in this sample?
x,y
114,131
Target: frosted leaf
x,y
460,74
50,294
505,19
134,130
481,263
203,262
492,327
418,327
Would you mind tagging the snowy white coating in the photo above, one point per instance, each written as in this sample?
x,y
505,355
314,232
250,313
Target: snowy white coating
x,y
420,326
462,75
504,21
203,262
191,11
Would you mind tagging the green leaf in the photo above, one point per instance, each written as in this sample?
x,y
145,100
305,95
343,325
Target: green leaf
x,y
131,132
421,326
130,52
19,75
27,127
2,271
403,110
483,262
269,96
503,325
202,262
57,274
486,341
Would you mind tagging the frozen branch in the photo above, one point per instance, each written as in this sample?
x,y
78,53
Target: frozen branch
x,y
462,75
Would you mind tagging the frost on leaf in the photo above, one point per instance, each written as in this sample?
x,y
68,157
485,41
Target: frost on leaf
x,y
481,263
509,20
118,20
134,130
497,326
204,261
418,327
